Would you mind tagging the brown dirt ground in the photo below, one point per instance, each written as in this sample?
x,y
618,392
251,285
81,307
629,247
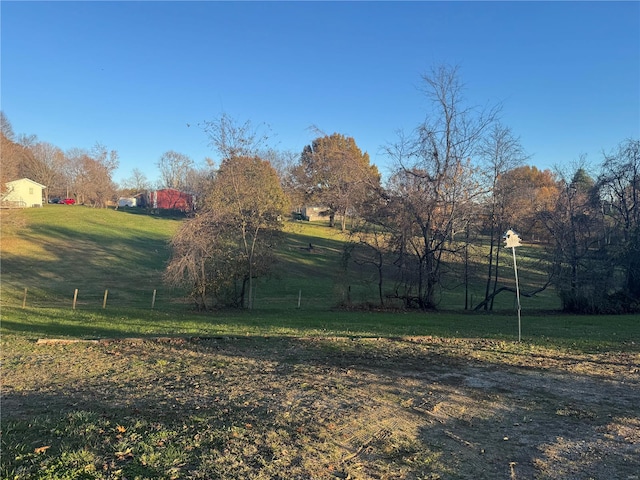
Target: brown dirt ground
x,y
355,408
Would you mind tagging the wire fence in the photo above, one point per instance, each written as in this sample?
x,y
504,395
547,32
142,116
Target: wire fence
x,y
160,298
84,297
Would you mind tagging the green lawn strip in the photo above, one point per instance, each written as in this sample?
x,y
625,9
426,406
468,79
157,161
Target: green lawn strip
x,y
585,333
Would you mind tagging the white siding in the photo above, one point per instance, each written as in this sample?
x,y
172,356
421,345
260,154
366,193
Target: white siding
x,y
24,192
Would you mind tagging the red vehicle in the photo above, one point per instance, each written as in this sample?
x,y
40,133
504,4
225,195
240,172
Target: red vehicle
x,y
68,201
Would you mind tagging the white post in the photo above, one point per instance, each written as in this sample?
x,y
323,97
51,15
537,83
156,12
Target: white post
x,y
513,240
515,269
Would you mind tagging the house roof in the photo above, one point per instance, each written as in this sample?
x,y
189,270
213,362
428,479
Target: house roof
x,y
26,180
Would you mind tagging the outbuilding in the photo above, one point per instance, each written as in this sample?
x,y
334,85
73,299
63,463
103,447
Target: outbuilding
x,y
22,193
166,199
127,202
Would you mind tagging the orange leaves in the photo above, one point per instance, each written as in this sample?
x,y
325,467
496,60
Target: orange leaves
x,y
42,449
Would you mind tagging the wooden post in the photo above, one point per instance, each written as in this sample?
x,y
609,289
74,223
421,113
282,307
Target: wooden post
x,y
153,300
75,298
24,299
104,301
299,297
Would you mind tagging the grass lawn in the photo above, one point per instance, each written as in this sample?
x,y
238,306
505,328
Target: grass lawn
x,y
283,392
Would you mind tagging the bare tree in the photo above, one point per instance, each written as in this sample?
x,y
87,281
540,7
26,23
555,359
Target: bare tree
x,y
45,164
90,174
10,153
582,275
137,182
232,139
430,183
175,169
619,188
198,259
500,152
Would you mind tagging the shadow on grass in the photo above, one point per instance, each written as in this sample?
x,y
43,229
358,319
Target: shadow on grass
x,y
285,407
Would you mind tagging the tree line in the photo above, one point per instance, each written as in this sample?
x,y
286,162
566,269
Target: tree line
x,y
459,180
86,174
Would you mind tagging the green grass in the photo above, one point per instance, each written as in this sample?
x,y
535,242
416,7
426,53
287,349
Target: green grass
x,y
56,249
581,333
288,391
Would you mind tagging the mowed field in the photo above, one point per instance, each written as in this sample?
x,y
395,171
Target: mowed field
x,y
289,391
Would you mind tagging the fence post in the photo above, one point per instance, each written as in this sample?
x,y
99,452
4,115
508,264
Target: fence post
x,y
75,298
104,301
153,300
24,299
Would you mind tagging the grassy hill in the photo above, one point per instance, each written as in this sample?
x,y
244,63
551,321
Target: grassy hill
x,y
54,250
57,249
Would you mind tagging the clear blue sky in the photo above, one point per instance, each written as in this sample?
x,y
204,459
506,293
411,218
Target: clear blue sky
x,y
132,75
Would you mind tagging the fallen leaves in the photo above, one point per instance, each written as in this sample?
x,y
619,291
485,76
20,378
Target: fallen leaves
x,y
125,455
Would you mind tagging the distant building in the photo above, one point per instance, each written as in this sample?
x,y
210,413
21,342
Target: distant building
x,y
166,199
23,193
313,213
127,202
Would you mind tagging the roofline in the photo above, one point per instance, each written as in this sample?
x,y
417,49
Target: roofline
x,y
28,180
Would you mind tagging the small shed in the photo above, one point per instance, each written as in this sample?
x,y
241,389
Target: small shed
x,y
313,213
23,193
127,202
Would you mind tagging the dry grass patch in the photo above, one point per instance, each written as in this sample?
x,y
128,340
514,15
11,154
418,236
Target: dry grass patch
x,y
317,408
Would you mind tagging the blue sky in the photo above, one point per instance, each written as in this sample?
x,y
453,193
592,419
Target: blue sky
x,y
132,75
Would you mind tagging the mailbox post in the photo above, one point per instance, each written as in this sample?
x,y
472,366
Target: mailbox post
x,y
512,240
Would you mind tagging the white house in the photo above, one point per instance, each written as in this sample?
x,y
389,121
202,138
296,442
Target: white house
x,y
23,193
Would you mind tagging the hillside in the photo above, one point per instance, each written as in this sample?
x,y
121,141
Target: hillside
x,y
54,250
58,248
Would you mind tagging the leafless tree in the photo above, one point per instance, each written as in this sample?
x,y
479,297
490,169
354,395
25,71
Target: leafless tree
x,y
90,174
137,182
45,164
10,153
619,189
175,169
500,152
431,182
230,138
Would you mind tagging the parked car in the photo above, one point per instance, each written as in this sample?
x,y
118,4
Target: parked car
x,y
68,201
54,200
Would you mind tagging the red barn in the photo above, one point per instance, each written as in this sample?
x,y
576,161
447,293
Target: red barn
x,y
167,199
